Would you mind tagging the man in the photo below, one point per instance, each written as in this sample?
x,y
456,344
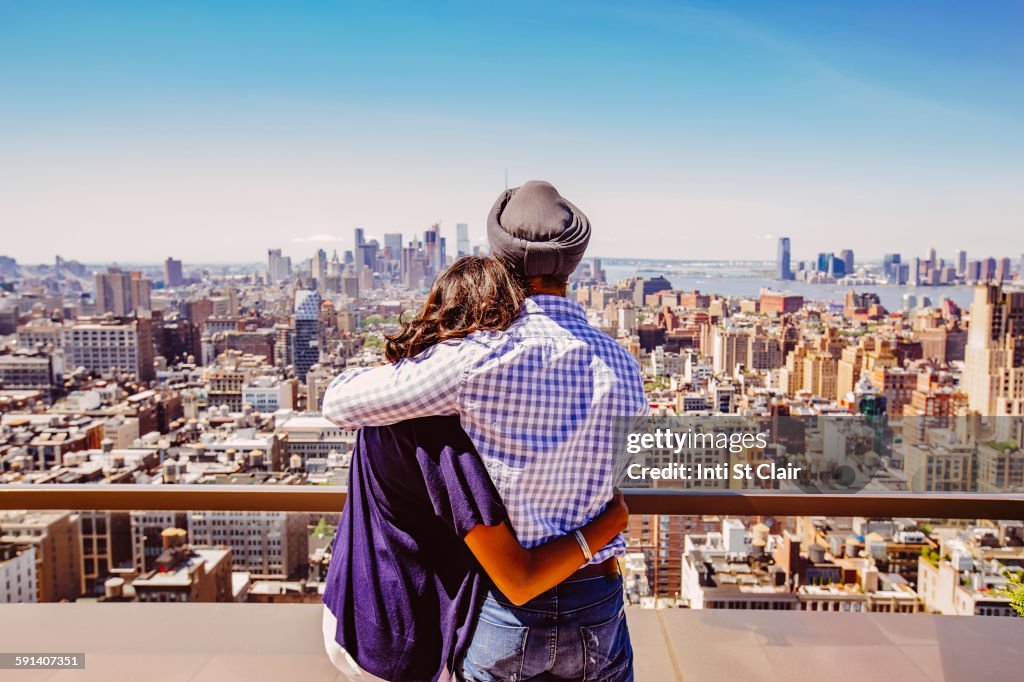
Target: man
x,y
539,401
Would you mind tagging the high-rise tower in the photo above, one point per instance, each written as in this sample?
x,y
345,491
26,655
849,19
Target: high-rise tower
x,y
785,272
306,339
994,357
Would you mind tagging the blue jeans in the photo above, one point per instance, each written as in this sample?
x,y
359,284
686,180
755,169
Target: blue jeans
x,y
576,631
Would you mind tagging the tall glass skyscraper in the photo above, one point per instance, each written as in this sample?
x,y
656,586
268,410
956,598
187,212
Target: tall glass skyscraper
x,y
306,339
785,272
393,244
891,267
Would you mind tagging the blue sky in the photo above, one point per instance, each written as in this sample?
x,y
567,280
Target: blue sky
x,y
696,130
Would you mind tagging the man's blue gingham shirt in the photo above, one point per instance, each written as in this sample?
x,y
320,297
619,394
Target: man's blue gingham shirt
x,y
538,400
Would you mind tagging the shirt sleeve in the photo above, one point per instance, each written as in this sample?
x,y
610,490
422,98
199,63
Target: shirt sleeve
x,y
644,408
424,386
463,494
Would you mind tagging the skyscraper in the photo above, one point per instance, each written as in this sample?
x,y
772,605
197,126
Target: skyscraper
x,y
825,261
122,293
836,266
961,262
829,264
415,265
319,265
113,292
972,273
891,268
846,255
988,269
784,271
366,256
393,245
359,238
279,267
462,239
432,248
1002,270
272,256
172,273
306,339
994,357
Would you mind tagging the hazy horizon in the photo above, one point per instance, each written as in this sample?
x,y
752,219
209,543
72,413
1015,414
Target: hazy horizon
x,y
298,256
702,131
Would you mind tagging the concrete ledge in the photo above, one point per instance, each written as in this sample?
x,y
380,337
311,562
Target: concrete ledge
x,y
253,642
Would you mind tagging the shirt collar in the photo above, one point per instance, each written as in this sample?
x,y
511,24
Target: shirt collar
x,y
553,306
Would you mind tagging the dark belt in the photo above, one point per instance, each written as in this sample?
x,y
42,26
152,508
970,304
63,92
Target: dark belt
x,y
609,568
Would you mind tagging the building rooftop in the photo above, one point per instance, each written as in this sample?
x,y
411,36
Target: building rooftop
x,y
33,518
295,422
181,574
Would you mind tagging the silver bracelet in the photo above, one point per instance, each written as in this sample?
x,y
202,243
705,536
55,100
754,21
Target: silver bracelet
x,y
587,554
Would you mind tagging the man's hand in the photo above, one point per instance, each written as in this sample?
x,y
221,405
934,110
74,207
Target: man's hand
x,y
617,510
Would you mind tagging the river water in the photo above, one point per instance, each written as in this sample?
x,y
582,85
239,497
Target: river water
x,y
747,280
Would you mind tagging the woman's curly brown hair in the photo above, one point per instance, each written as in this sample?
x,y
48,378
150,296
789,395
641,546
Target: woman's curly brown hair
x,y
475,293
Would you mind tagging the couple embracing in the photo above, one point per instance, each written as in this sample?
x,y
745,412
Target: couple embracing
x,y
481,531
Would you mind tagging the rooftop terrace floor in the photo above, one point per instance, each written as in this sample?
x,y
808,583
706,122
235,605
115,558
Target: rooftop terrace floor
x,y
255,642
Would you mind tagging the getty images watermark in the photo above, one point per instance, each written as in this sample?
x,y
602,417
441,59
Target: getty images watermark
x,y
667,439
809,454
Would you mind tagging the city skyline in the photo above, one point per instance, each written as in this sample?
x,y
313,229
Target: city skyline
x,y
110,378
212,133
307,248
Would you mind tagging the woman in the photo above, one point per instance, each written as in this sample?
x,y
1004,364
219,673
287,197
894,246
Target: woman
x,y
424,536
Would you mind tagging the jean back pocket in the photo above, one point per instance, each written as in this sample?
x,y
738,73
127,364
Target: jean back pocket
x,y
496,653
607,653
